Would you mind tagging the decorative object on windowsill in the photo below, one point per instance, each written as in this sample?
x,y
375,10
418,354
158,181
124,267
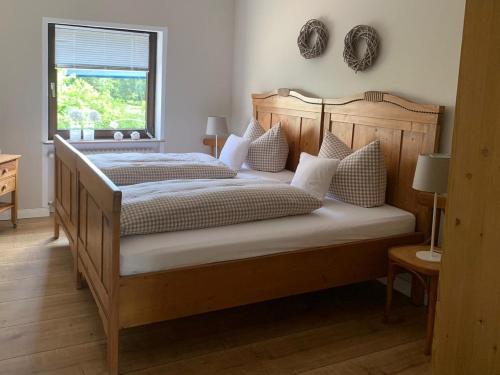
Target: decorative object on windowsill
x,y
431,175
313,39
88,130
351,43
75,133
216,126
118,136
75,130
135,136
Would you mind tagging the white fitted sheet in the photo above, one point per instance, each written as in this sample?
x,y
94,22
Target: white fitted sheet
x,y
285,175
335,223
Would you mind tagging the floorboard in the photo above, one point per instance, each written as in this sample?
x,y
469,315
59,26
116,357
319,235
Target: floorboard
x,y
48,327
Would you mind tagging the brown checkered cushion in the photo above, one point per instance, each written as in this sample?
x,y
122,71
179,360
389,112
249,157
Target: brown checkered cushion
x,y
268,151
361,177
136,168
333,148
254,130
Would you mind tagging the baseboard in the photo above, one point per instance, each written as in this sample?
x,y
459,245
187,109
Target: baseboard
x,y
402,283
27,213
403,286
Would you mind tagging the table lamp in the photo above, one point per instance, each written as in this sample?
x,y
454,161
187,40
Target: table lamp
x,y
431,175
216,126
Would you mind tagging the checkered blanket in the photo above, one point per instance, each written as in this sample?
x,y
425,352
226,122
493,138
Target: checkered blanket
x,y
136,168
176,205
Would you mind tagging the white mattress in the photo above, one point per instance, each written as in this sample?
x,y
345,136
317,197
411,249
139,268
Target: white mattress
x,y
335,223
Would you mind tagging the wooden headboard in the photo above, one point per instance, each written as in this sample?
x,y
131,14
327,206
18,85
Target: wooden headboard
x,y
405,130
300,116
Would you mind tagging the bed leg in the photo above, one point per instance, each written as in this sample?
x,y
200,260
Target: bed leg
x,y
79,280
78,276
113,348
56,227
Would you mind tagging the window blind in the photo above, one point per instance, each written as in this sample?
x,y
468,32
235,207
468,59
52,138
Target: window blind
x,y
98,48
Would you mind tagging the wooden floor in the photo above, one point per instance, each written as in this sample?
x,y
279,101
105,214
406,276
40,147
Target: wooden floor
x,y
48,327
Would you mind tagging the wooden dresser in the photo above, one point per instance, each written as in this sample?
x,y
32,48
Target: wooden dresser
x,y
8,184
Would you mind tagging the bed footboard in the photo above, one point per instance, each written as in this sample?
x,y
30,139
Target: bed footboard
x,y
65,197
98,246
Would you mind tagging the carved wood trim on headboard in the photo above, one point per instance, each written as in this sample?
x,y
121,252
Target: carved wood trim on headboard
x,y
299,115
405,130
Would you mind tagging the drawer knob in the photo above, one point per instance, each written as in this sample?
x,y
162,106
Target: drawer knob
x,y
4,171
4,187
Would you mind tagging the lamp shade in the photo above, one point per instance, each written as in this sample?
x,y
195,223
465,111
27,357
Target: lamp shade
x,y
216,126
431,174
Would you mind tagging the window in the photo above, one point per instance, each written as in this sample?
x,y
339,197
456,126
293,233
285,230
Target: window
x,y
101,78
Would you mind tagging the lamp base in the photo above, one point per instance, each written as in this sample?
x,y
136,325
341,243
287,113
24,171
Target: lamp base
x,y
429,256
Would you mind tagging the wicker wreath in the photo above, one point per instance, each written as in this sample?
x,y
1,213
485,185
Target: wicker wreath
x,y
312,28
357,33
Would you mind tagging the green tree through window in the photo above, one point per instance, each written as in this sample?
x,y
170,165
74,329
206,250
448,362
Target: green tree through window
x,y
118,96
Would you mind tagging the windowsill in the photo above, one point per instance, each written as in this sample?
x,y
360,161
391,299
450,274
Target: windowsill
x,y
114,141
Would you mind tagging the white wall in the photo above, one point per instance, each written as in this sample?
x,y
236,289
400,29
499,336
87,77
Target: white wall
x,y
419,53
199,66
418,59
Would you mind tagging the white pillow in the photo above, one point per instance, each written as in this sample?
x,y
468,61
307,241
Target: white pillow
x,y
314,174
234,152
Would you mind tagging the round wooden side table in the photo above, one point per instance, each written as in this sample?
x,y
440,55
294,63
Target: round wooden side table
x,y
404,259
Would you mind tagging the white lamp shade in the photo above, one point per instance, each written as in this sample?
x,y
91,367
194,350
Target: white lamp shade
x,y
216,126
431,174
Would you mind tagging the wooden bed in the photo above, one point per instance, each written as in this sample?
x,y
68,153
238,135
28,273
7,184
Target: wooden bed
x,y
88,208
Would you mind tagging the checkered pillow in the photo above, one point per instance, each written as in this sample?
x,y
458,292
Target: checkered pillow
x,y
333,148
361,176
254,130
268,152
